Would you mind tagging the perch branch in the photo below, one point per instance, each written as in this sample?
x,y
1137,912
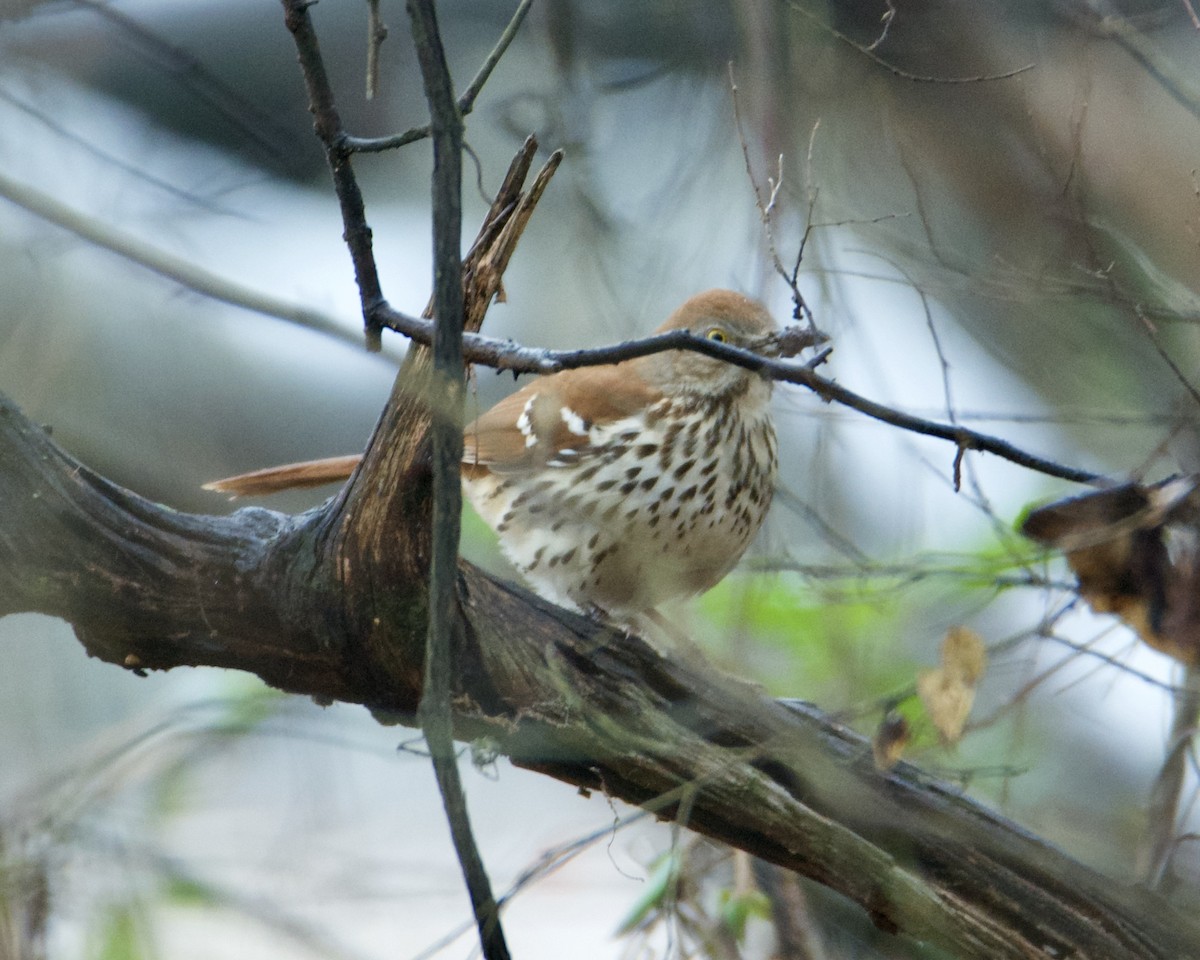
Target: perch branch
x,y
150,588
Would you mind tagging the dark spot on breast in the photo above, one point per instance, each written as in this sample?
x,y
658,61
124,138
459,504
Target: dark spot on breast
x,y
684,468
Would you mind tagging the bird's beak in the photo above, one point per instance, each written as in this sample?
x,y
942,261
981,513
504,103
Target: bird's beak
x,y
790,341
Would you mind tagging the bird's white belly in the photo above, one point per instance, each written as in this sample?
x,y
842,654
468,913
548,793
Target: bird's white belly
x,y
650,512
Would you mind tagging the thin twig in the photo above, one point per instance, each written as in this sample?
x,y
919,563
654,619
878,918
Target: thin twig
x,y
1166,357
766,208
178,269
1110,23
328,128
377,32
1162,813
256,125
448,389
1104,274
887,19
811,192
506,355
466,103
892,68
104,156
1191,12
548,863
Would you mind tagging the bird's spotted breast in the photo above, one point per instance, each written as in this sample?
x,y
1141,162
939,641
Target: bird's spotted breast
x,y
651,507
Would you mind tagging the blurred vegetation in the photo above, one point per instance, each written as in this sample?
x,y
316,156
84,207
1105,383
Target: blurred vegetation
x,y
999,211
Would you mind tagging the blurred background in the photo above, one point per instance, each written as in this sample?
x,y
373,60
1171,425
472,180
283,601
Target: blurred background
x,y
999,211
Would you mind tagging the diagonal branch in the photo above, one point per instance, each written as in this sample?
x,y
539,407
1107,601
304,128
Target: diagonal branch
x,y
179,269
149,588
329,130
506,355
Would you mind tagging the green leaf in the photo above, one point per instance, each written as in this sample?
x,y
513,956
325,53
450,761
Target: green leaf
x,y
737,908
659,885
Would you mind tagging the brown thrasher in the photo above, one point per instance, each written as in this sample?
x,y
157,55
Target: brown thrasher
x,y
614,489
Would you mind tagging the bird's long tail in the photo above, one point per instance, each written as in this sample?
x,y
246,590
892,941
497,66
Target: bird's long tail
x,y
288,476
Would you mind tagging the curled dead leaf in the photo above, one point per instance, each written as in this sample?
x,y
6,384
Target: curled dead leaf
x,y
948,691
1135,551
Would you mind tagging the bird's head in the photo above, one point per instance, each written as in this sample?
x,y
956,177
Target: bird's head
x,y
722,316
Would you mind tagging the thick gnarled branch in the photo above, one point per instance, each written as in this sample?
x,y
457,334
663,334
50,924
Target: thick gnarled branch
x,y
150,588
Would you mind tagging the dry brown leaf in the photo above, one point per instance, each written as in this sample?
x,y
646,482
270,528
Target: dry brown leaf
x,y
964,653
1134,551
948,691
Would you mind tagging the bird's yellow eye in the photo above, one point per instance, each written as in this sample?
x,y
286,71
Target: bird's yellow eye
x,y
716,333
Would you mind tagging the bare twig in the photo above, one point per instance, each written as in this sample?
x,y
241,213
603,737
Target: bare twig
x,y
548,863
1179,85
1103,272
1156,342
377,32
179,269
1162,813
104,156
766,208
466,103
328,127
506,355
250,120
811,192
447,390
892,68
1191,12
888,17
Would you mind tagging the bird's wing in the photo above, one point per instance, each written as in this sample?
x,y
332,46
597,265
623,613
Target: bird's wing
x,y
555,414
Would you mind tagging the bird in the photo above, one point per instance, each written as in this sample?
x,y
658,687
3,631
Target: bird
x,y
616,489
